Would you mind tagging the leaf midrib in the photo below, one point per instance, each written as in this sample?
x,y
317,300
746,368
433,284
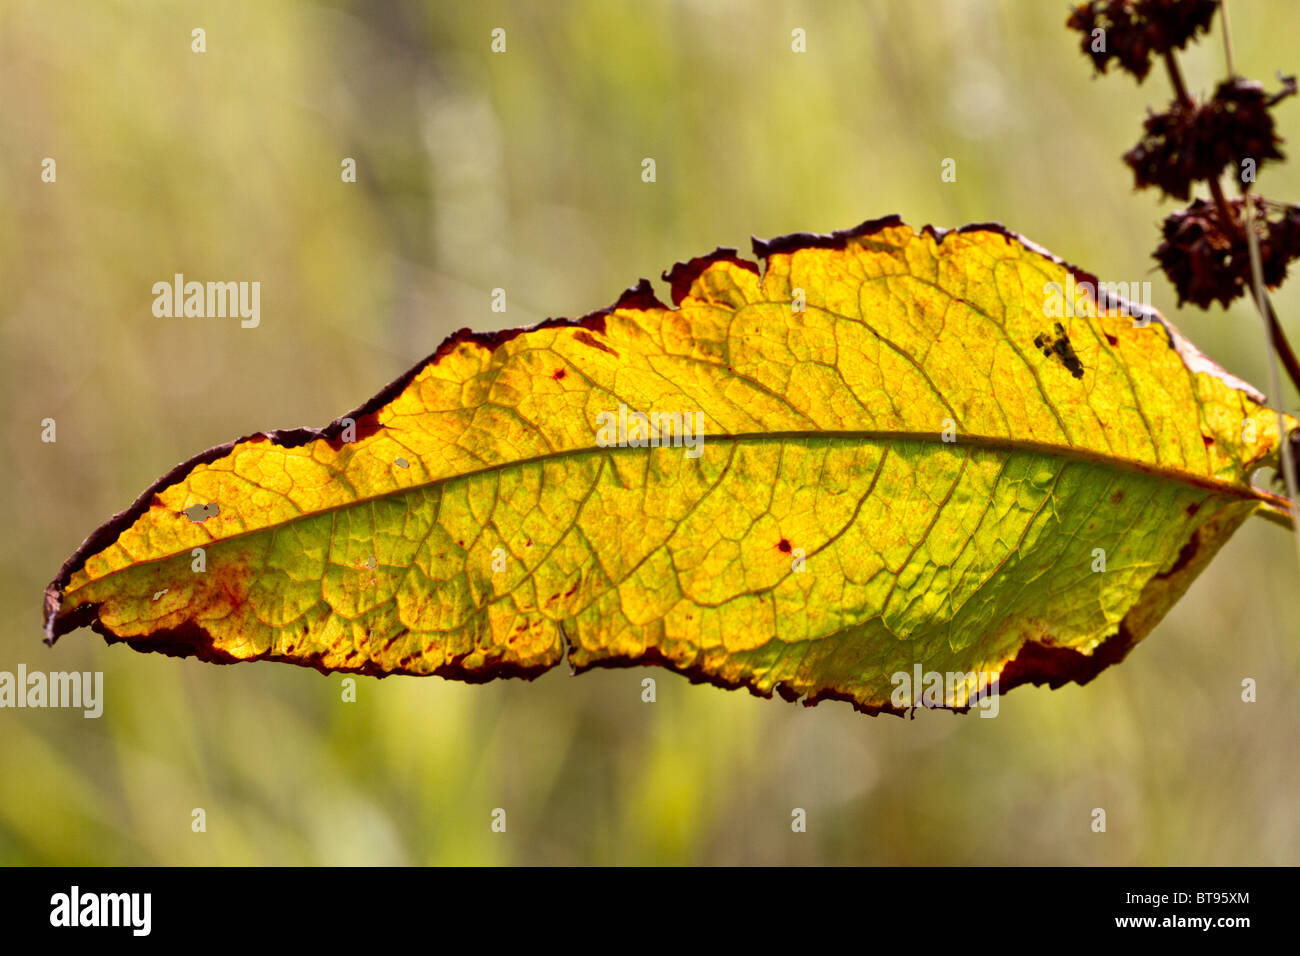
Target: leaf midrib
x,y
996,443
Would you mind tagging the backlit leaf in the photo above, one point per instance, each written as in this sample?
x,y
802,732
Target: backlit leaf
x,y
909,464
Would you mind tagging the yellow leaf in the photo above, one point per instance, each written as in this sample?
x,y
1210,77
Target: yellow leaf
x,y
909,462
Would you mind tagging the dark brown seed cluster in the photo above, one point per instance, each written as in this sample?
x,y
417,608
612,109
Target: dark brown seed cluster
x,y
1208,260
1191,141
1205,250
1133,30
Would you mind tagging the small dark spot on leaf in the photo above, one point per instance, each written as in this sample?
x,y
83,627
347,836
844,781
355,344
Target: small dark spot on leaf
x,y
1193,508
784,546
559,373
1111,339
1208,440
1117,497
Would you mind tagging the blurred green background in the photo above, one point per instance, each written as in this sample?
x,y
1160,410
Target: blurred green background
x,y
522,170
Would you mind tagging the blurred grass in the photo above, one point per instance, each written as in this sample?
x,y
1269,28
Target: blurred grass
x,y
522,171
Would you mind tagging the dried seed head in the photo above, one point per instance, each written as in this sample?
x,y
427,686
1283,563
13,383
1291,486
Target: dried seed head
x,y
1208,260
1190,142
1132,30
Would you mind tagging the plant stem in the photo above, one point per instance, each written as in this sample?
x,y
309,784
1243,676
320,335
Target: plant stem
x,y
1176,78
1276,336
1275,380
1281,347
1227,39
1185,100
1272,329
